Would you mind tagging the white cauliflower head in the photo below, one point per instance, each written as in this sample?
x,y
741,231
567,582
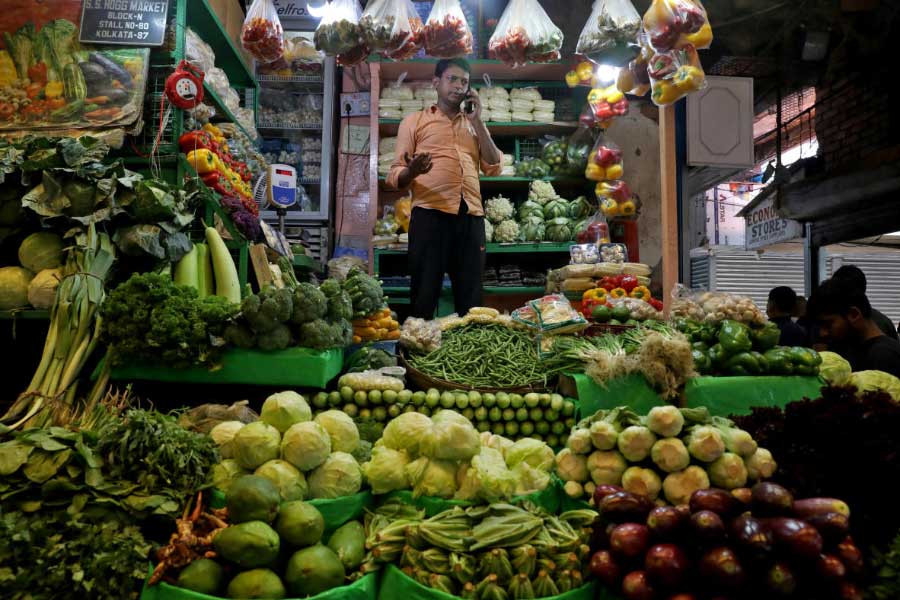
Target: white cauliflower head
x,y
541,192
498,209
507,231
488,231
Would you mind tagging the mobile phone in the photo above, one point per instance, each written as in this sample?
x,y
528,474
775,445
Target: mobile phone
x,y
468,104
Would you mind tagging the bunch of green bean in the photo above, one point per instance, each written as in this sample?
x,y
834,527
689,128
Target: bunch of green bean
x,y
484,355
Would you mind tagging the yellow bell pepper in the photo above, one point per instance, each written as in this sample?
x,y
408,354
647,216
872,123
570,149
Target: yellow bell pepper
x,y
689,78
7,69
594,172
702,39
627,209
584,70
212,129
54,89
598,294
595,96
203,161
665,93
609,207
612,94
572,79
614,172
625,82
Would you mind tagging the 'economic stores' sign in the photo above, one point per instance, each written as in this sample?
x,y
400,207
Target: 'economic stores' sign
x,y
766,227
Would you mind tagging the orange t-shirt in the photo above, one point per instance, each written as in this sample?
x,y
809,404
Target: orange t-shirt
x,y
455,161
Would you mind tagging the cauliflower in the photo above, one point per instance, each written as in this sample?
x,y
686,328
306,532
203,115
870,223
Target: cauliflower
x,y
507,231
309,304
541,192
488,231
498,209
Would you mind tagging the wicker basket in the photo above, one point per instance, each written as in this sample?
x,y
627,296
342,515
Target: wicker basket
x,y
425,382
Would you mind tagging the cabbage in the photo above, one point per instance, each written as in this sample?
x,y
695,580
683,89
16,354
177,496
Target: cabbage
x,y
306,445
531,229
488,478
529,480
406,432
14,287
431,477
256,443
527,450
338,476
290,482
872,381
341,429
42,289
556,209
580,208
529,209
452,437
558,230
41,250
223,435
497,442
385,470
834,368
284,409
224,474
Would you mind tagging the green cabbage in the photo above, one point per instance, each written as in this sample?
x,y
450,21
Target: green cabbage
x,y
529,479
385,470
556,209
338,476
558,230
284,409
223,435
306,445
834,368
488,478
41,250
225,473
290,482
407,432
435,478
452,437
341,429
529,209
531,229
871,381
14,287
532,452
255,444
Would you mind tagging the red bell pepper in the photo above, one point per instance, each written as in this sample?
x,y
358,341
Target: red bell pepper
x,y
628,283
657,304
609,283
589,304
194,140
218,183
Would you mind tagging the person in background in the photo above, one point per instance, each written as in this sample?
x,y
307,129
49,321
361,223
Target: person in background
x,y
855,277
804,322
438,155
844,317
781,305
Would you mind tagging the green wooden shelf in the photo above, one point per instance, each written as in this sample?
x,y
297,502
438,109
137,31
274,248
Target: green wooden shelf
x,y
26,314
495,248
203,20
522,128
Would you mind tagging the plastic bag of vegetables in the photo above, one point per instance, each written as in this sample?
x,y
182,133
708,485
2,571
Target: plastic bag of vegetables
x,y
447,34
392,28
261,33
554,153
525,34
609,35
339,33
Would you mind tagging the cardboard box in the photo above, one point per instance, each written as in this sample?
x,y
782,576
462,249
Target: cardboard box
x,y
233,26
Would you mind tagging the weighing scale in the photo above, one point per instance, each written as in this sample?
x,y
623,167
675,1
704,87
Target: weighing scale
x,y
281,190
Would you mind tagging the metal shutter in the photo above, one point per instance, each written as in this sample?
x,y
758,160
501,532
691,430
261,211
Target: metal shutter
x,y
752,274
700,272
882,278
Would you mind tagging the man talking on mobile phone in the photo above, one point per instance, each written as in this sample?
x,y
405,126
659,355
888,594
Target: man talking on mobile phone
x,y
438,155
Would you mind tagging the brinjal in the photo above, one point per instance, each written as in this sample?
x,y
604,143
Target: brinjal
x,y
629,540
624,507
114,69
771,500
605,568
849,591
666,565
604,490
682,597
718,501
721,567
636,586
780,580
831,568
752,539
797,538
667,522
708,527
809,507
834,527
851,556
600,536
743,495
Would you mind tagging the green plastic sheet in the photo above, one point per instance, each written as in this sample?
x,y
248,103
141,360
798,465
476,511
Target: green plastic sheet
x,y
395,585
632,390
338,511
725,396
548,498
365,588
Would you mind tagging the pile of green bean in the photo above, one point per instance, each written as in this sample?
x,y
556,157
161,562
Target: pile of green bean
x,y
484,356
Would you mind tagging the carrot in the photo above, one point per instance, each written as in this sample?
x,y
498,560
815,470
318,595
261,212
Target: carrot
x,y
97,100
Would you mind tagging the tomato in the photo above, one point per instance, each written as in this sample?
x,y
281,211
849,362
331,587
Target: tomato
x,y
7,110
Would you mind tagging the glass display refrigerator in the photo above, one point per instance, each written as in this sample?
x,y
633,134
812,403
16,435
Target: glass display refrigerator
x,y
295,120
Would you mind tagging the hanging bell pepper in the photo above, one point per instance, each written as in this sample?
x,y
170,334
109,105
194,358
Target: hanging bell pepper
x,y
202,160
572,79
640,292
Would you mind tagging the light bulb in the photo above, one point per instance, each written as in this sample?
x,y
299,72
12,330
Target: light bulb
x,y
606,74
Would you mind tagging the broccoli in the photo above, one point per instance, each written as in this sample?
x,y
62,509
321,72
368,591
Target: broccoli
x,y
217,312
339,306
251,311
365,293
330,287
278,338
344,331
240,335
310,304
277,304
320,334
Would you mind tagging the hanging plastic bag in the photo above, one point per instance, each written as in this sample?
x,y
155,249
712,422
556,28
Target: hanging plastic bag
x,y
610,34
633,78
595,230
447,34
339,32
261,33
392,28
578,149
605,161
617,200
524,34
674,75
673,24
607,103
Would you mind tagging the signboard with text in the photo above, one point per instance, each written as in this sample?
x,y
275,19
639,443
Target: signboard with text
x,y
766,227
124,22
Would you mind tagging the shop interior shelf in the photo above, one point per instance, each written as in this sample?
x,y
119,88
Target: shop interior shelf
x,y
495,290
202,19
495,248
389,127
283,127
293,79
223,113
303,181
519,181
496,70
30,314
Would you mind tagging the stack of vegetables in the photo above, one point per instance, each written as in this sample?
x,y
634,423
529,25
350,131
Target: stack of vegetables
x,y
379,326
207,152
606,281
754,544
544,216
262,528
445,457
305,458
483,552
668,454
733,348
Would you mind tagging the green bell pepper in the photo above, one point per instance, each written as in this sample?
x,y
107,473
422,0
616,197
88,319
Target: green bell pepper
x,y
717,357
779,361
743,363
708,333
762,361
735,337
702,362
805,361
702,346
766,337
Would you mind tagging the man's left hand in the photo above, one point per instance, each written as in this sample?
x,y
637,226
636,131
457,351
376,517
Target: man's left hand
x,y
475,99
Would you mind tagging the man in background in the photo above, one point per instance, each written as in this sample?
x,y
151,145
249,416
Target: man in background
x,y
781,305
854,277
844,317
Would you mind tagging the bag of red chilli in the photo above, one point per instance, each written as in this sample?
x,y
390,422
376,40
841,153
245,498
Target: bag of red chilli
x,y
525,34
447,35
261,33
392,28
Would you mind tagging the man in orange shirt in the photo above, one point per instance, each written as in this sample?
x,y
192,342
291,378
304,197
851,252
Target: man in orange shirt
x,y
438,155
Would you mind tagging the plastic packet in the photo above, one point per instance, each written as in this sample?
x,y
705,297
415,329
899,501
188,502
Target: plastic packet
x,y
638,308
555,314
613,253
607,103
197,52
387,224
633,78
526,316
674,24
525,34
605,161
398,91
532,94
583,254
339,31
616,200
609,35
674,75
392,28
447,34
581,74
261,33
554,153
595,231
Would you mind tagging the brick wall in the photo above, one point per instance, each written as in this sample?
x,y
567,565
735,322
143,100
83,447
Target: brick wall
x,y
855,120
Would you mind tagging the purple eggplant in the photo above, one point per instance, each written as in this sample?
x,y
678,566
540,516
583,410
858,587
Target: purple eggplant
x,y
667,523
771,500
707,527
722,569
718,501
625,507
744,496
808,507
796,538
851,556
629,541
666,565
849,591
604,490
780,580
752,539
830,567
834,527
636,586
605,568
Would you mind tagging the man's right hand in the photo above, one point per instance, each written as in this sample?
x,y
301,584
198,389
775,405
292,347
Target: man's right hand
x,y
419,164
